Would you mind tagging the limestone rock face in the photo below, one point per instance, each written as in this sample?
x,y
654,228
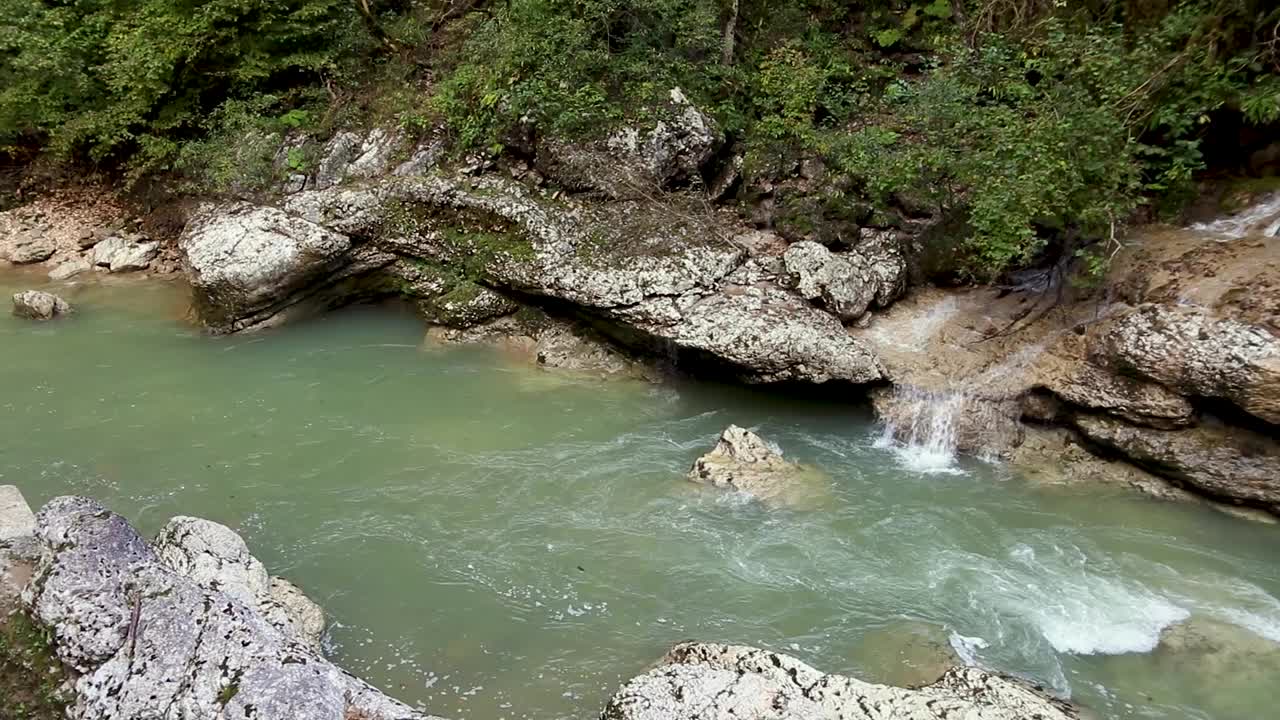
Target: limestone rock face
x,y
729,682
847,283
636,160
352,155
668,283
1196,354
249,263
39,305
1138,401
742,461
17,522
152,642
1235,463
216,558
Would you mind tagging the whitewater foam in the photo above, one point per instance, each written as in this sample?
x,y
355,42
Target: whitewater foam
x,y
1263,217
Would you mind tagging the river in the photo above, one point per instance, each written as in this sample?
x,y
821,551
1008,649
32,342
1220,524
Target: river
x,y
494,541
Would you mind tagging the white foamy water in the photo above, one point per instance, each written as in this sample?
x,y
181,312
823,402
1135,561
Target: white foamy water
x,y
1261,218
923,432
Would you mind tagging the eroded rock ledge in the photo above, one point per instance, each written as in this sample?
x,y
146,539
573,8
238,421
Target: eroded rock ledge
x,y
710,681
661,278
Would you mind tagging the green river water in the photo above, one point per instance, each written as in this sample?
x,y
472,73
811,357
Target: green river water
x,y
492,541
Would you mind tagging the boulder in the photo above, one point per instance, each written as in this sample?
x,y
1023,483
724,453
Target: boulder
x,y
216,558
1195,354
466,304
249,263
70,268
18,547
637,159
31,247
125,254
849,283
743,462
710,681
39,305
149,641
1220,461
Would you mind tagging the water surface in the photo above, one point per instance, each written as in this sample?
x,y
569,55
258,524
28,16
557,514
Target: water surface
x,y
493,541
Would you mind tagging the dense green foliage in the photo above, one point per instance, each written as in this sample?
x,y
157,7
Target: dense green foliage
x,y
1029,120
104,80
1032,125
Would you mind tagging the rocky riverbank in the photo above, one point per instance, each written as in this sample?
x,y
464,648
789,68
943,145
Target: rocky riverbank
x,y
596,256
191,622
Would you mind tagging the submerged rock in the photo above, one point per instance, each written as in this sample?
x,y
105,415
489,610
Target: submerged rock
x,y
216,558
742,461
150,642
907,653
39,305
709,681
538,339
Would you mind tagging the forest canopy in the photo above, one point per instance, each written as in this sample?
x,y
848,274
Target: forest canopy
x,y
1025,120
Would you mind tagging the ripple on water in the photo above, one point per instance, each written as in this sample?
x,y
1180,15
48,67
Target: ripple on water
x,y
494,546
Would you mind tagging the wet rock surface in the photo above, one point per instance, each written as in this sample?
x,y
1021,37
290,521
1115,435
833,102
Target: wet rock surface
x,y
906,653
150,641
722,682
39,305
742,461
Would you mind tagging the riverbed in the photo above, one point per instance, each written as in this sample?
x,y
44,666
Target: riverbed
x,y
491,540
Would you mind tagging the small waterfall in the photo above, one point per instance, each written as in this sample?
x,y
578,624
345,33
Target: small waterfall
x,y
921,426
1262,218
930,428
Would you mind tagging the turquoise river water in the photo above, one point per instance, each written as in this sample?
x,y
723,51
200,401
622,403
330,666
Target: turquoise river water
x,y
493,541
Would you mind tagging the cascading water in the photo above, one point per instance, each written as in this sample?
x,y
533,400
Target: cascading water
x,y
978,415
923,428
1261,218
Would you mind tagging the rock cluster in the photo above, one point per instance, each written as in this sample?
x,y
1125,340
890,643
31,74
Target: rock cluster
x,y
39,305
74,232
710,681
183,627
